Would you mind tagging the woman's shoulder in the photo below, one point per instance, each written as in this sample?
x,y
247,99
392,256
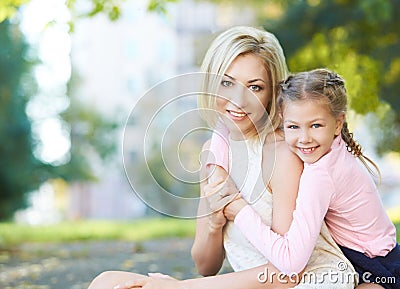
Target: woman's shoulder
x,y
206,145
205,151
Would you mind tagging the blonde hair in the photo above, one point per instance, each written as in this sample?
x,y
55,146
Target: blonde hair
x,y
224,50
327,86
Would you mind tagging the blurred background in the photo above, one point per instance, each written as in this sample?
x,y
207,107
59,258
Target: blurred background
x,y
71,71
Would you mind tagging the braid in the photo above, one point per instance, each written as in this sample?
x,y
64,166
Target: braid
x,y
356,150
352,146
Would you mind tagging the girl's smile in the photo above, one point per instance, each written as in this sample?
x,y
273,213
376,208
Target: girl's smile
x,y
308,150
310,128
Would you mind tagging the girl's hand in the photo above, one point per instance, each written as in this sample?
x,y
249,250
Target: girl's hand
x,y
234,207
155,281
216,218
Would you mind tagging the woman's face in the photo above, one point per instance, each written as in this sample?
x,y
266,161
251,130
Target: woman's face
x,y
244,93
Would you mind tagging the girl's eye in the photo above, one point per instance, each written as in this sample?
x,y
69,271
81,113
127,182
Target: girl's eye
x,y
255,88
316,125
292,126
226,83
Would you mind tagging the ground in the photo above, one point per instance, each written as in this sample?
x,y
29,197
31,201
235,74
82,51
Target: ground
x,y
73,265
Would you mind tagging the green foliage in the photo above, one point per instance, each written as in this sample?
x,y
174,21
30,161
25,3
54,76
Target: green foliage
x,y
92,139
92,135
20,171
358,39
9,7
159,6
111,8
387,130
398,230
138,230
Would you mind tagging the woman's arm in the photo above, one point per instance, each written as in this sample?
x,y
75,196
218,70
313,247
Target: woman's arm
x,y
207,251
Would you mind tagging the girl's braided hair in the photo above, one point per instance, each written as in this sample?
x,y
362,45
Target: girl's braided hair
x,y
324,85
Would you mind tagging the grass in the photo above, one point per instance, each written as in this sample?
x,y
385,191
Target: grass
x,y
14,234
139,230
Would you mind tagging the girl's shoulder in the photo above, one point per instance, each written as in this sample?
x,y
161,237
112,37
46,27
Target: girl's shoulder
x,y
284,154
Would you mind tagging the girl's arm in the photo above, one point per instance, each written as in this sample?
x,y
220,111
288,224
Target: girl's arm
x,y
207,251
291,251
284,183
277,158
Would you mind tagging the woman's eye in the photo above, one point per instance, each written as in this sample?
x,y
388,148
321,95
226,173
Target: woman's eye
x,y
316,125
292,126
255,88
226,83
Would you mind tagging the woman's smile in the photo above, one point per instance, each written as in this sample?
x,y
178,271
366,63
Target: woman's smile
x,y
237,115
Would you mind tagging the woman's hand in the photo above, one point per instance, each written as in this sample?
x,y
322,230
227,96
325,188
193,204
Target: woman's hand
x,y
233,208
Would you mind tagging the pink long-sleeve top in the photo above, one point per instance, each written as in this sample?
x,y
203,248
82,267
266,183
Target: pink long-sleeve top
x,y
336,188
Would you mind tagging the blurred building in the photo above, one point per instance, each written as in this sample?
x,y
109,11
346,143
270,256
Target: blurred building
x,y
117,62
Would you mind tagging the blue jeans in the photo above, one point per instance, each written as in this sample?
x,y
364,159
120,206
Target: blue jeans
x,y
382,270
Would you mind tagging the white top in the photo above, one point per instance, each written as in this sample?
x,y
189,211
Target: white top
x,y
245,170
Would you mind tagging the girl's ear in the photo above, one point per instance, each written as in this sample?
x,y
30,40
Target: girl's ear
x,y
339,123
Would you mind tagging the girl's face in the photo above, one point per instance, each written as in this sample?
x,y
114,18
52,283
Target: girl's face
x,y
244,93
310,128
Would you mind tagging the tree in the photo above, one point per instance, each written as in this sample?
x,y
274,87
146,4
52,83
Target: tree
x,y
93,138
9,7
358,39
20,171
111,8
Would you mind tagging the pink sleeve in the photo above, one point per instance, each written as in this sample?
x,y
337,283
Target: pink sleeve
x,y
290,253
219,149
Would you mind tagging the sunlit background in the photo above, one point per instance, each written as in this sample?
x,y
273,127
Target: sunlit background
x,y
71,71
88,70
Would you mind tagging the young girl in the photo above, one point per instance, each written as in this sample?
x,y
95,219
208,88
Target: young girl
x,y
334,186
244,66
